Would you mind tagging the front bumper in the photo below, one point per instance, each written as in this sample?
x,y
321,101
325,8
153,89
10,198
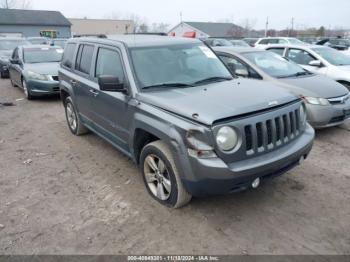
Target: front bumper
x,y
213,176
39,88
327,116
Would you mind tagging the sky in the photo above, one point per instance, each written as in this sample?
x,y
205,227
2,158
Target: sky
x,y
311,13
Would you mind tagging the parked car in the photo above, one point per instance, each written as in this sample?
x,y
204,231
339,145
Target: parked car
x,y
239,43
318,59
250,41
340,44
217,42
39,40
60,42
263,42
327,102
172,106
6,48
35,69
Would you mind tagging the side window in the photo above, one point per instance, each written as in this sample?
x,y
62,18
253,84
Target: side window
x,y
300,56
109,63
282,41
273,41
68,55
234,64
84,58
264,42
279,51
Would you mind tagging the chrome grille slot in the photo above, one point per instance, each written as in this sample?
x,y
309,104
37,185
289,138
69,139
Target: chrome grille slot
x,y
268,134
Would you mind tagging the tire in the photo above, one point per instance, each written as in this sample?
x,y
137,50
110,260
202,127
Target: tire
x,y
2,75
74,123
164,186
26,90
12,83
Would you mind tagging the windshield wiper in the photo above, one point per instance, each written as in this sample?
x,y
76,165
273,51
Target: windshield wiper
x,y
213,79
296,74
182,85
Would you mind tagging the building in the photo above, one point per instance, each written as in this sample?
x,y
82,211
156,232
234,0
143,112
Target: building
x,y
27,23
206,29
101,26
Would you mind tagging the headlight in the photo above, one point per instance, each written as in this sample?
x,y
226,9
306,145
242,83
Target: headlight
x,y
226,138
302,115
37,76
317,101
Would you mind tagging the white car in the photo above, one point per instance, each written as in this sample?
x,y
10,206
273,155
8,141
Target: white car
x,y
318,59
263,42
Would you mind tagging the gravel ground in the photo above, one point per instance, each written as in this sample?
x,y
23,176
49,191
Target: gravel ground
x,y
61,194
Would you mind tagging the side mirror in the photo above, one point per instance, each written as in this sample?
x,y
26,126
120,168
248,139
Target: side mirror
x,y
111,83
242,73
315,63
14,61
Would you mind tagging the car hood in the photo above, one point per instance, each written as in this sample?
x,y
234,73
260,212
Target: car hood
x,y
315,86
344,68
218,100
43,68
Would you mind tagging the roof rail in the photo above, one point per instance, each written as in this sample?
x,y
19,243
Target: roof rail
x,y
91,35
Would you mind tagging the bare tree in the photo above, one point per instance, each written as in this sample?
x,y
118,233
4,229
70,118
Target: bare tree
x,y
16,4
140,23
160,27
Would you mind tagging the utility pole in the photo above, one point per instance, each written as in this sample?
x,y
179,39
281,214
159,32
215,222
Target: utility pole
x,y
291,32
181,16
266,26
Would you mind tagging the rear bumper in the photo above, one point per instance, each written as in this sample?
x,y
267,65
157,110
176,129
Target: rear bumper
x,y
327,116
213,176
38,88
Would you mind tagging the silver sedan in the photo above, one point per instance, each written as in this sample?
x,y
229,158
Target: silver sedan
x,y
327,102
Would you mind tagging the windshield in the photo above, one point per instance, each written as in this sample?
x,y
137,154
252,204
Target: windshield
x,y
274,65
295,41
11,44
333,56
42,55
185,64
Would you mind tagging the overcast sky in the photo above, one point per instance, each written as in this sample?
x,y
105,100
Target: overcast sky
x,y
330,13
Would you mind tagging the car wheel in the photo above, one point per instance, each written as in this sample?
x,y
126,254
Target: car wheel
x,y
2,75
74,123
12,83
161,176
26,90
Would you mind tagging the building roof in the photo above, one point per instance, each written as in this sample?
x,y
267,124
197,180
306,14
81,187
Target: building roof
x,y
32,17
215,29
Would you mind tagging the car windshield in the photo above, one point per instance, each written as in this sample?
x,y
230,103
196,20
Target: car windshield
x,y
11,44
42,55
274,65
239,43
177,66
295,41
333,56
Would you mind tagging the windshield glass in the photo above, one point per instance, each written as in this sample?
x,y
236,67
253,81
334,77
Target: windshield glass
x,y
186,64
333,56
11,44
42,55
274,65
295,41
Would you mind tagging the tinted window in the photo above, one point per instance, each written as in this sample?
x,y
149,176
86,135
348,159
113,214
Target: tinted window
x,y
84,58
42,55
300,56
109,63
264,42
68,55
278,51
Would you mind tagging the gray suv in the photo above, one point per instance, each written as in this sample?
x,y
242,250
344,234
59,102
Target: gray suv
x,y
174,108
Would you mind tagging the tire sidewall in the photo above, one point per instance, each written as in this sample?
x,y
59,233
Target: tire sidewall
x,y
67,101
152,150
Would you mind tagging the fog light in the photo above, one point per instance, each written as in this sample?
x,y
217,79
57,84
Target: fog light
x,y
256,183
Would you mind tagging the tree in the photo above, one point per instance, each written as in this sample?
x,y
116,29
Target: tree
x,y
321,31
160,27
16,4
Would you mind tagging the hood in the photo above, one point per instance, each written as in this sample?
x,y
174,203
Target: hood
x,y
315,86
43,68
344,68
218,100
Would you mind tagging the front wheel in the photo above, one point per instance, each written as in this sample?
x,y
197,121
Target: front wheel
x,y
161,176
74,123
26,90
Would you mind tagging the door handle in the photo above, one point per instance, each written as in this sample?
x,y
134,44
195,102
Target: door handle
x,y
73,82
94,92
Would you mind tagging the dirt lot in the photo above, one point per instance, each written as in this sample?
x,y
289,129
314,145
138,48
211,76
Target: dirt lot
x,y
78,195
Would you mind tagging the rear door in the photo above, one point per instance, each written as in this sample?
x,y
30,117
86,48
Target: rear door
x,y
15,69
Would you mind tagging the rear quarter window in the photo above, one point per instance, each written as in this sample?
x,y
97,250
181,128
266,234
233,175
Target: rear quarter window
x,y
68,55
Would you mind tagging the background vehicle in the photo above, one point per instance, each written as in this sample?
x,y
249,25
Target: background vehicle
x,y
7,45
250,41
38,40
239,43
318,59
35,69
327,102
173,107
263,42
60,42
336,43
217,42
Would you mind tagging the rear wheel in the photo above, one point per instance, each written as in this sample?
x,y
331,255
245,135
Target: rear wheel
x,y
161,176
74,123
